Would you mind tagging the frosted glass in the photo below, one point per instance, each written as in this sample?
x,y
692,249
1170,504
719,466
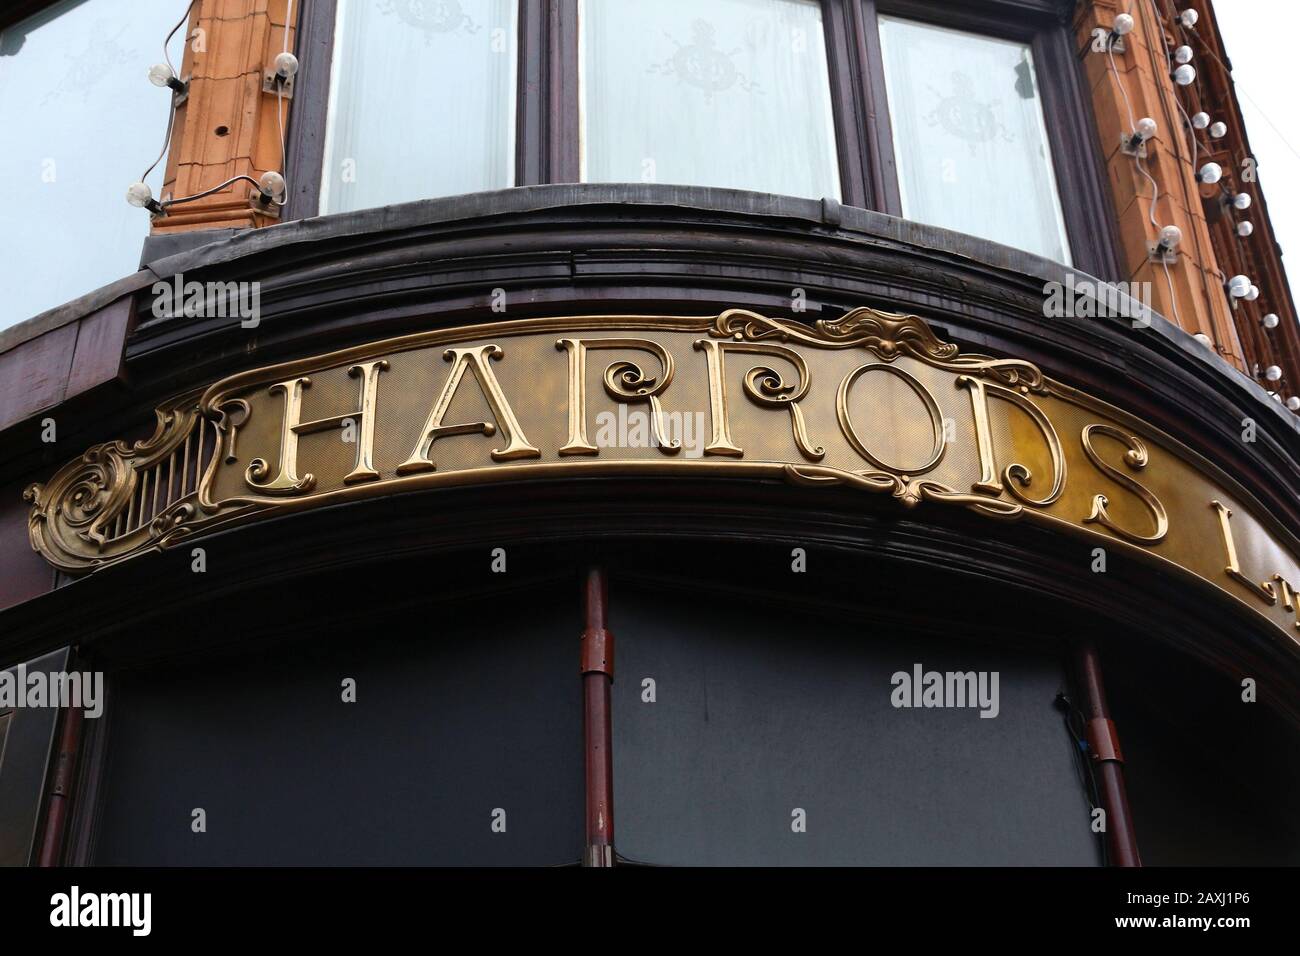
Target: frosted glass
x,y
80,122
708,92
969,137
422,101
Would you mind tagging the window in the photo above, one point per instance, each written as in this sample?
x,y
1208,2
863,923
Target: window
x,y
421,102
969,140
725,93
978,122
81,123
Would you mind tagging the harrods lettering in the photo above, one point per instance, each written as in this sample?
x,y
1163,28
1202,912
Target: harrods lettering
x,y
626,382
871,401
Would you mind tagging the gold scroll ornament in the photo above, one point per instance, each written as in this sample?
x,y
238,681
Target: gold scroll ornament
x,y
871,400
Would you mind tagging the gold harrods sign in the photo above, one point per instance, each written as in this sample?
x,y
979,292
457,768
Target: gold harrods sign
x,y
872,401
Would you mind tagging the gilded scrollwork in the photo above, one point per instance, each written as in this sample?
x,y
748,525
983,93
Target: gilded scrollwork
x,y
842,418
910,491
119,499
888,335
109,503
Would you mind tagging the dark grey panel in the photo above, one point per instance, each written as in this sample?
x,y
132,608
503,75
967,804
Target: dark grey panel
x,y
762,711
26,739
1212,780
465,716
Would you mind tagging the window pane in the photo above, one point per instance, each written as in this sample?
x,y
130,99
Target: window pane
x,y
422,102
80,122
969,137
718,93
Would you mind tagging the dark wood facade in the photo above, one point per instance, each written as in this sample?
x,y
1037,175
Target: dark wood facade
x,y
324,582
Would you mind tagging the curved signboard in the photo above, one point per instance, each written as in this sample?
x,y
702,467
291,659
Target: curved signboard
x,y
872,401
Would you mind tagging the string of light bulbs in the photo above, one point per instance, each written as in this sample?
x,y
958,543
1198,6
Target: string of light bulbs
x,y
1180,69
1239,287
1144,130
1240,201
1183,73
272,189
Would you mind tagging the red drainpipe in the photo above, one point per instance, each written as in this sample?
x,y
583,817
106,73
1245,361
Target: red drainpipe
x,y
1103,750
65,766
597,669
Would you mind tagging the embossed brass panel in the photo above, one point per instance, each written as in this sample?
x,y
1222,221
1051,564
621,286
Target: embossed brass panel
x,y
872,400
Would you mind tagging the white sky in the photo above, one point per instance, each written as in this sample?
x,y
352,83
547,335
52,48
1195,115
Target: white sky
x,y
1260,39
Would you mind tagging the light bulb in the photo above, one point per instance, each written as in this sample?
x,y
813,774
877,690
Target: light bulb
x,y
286,65
1252,294
272,184
1123,24
1293,403
1272,373
139,194
1218,130
1241,201
1270,321
1170,237
1188,18
1238,286
1210,173
1183,54
160,74
1200,120
1185,74
1202,338
1146,127
1245,228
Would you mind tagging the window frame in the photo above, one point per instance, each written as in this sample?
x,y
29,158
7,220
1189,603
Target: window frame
x,y
1067,110
309,114
548,126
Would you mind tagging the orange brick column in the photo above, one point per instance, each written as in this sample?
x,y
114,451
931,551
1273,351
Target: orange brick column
x,y
1198,302
227,126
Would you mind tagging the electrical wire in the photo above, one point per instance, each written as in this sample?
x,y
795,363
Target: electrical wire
x,y
171,114
214,189
167,141
1191,130
1227,73
1240,89
279,107
171,121
1128,105
1137,163
1082,765
183,20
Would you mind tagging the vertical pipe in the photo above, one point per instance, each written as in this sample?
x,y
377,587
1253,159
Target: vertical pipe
x,y
597,668
65,766
1104,752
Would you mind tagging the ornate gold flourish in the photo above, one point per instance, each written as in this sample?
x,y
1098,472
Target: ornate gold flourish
x,y
108,504
888,335
92,511
910,491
